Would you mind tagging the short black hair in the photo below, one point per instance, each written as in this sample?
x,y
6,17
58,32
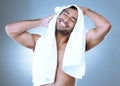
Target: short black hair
x,y
72,7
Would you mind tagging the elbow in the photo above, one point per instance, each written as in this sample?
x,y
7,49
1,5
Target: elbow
x,y
108,26
10,30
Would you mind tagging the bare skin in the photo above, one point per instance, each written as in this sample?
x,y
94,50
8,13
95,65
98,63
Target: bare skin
x,y
65,24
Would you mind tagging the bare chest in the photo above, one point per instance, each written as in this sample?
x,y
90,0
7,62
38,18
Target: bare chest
x,y
61,78
60,54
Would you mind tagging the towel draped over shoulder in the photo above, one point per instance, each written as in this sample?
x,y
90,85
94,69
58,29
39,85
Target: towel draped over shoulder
x,y
45,54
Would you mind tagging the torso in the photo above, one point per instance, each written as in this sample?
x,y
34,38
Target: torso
x,y
62,79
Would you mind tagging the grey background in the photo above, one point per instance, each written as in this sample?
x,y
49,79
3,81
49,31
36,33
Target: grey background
x,y
102,62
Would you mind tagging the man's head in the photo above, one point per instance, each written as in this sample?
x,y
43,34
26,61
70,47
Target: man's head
x,y
67,20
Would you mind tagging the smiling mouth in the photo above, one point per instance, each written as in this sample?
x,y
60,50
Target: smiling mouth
x,y
63,23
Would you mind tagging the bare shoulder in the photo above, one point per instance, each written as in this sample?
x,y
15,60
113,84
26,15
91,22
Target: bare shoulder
x,y
35,38
27,40
95,36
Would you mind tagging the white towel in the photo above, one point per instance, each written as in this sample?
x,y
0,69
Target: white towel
x,y
45,54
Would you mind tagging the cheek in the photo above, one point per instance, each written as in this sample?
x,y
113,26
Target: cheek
x,y
72,25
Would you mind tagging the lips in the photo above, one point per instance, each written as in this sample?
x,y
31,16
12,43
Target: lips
x,y
62,23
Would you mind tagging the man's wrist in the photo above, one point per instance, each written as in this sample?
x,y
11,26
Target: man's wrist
x,y
85,11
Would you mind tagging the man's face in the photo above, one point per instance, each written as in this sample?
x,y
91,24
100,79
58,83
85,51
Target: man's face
x,y
66,21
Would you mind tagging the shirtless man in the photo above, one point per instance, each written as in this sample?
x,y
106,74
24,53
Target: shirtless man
x,y
65,23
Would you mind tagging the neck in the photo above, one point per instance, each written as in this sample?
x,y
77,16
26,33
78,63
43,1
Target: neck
x,y
61,39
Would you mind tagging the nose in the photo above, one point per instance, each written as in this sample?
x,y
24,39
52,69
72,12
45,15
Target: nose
x,y
66,20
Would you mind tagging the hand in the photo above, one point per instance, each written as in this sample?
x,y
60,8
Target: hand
x,y
46,20
84,9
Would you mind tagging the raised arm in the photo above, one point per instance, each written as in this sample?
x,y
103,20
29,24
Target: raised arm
x,y
102,27
18,31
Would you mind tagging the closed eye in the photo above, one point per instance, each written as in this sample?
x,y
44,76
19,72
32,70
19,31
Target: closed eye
x,y
65,13
73,19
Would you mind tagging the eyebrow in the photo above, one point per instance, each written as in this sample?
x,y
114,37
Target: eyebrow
x,y
69,13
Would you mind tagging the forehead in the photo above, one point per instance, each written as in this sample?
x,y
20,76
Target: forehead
x,y
72,11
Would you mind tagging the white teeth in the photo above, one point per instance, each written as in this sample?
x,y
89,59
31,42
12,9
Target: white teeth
x,y
63,24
